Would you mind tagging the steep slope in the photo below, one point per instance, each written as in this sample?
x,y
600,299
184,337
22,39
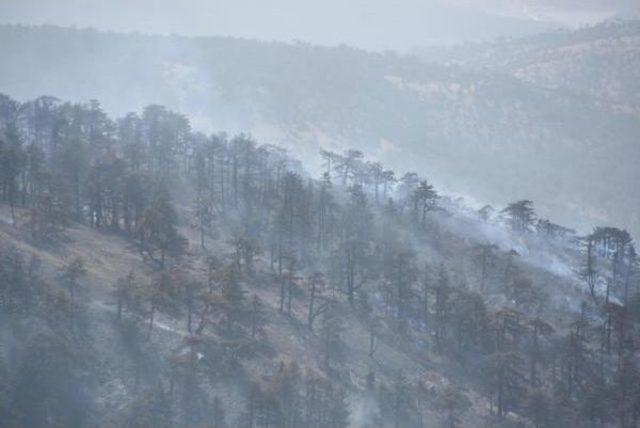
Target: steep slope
x,y
129,365
153,276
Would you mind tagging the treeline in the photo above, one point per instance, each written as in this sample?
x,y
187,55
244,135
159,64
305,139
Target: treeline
x,y
348,248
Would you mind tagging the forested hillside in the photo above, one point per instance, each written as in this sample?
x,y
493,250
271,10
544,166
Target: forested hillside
x,y
545,118
600,63
151,275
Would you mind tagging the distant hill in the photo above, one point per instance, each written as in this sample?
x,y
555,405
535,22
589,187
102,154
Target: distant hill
x,y
476,126
602,62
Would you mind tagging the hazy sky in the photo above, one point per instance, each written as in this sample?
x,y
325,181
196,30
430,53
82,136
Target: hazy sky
x,y
373,24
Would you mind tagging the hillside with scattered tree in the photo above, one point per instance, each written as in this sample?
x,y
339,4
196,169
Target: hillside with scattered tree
x,y
151,275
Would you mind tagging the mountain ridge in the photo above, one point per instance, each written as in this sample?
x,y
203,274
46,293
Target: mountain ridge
x,y
305,97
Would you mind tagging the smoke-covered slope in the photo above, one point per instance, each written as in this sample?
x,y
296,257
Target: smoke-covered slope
x,y
475,132
153,276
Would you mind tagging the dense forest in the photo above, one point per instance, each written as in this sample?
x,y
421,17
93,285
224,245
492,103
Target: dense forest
x,y
151,275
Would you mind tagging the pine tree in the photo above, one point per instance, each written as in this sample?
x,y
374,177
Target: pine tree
x,y
453,403
520,215
157,228
126,293
71,275
161,295
12,163
332,346
233,300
